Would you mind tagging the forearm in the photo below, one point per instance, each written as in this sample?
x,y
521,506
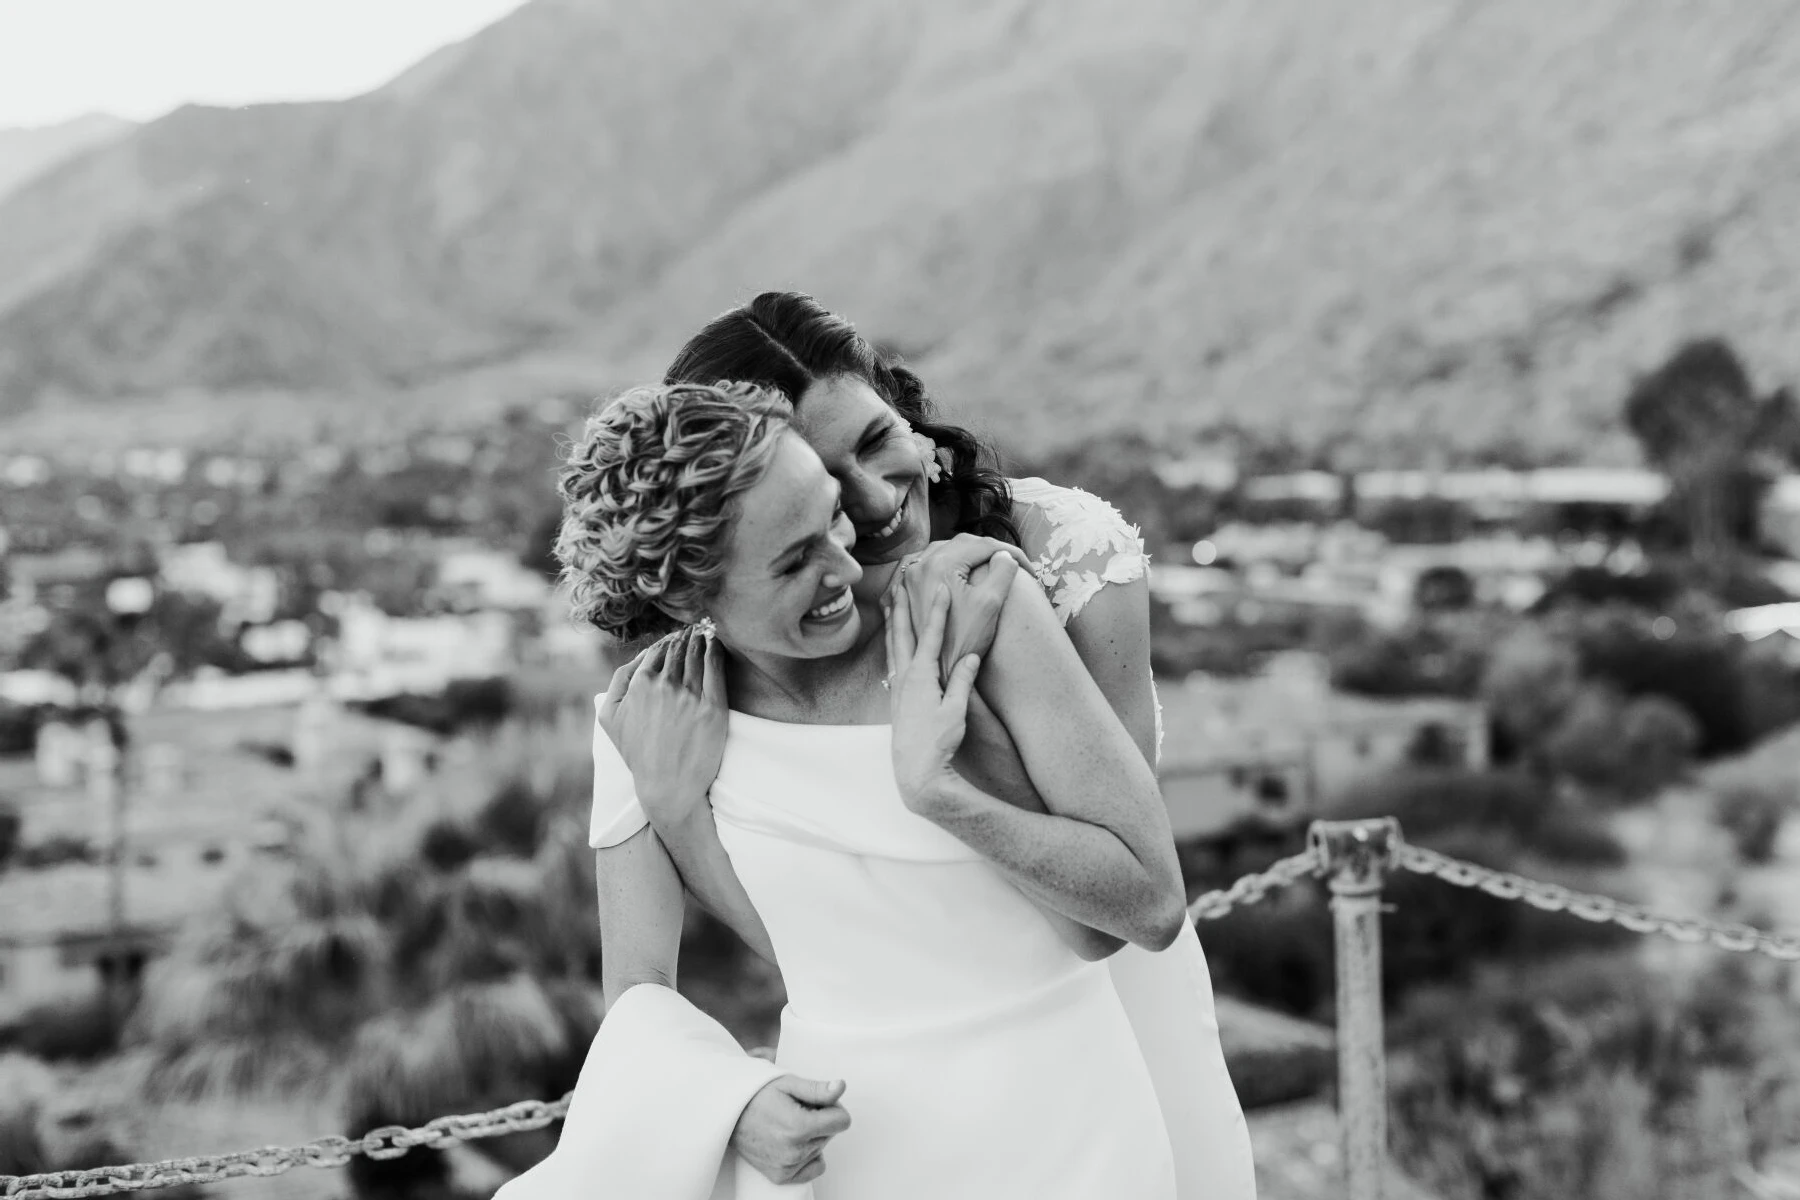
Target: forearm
x,y
989,761
1083,764
1082,871
693,844
640,902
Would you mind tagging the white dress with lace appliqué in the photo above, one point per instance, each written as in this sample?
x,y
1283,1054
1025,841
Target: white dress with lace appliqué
x,y
1079,543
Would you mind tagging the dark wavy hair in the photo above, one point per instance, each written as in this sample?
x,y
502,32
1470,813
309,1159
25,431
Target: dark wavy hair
x,y
787,341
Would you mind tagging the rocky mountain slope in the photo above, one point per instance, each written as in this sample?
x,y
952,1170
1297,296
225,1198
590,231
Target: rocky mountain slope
x,y
1398,229
27,153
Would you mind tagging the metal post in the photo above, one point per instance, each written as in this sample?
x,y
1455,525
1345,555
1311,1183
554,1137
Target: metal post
x,y
107,796
106,801
1355,855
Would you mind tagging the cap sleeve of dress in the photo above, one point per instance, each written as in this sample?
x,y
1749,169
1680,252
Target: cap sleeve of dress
x,y
616,814
1078,543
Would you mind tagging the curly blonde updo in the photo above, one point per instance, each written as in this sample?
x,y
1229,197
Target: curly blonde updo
x,y
648,497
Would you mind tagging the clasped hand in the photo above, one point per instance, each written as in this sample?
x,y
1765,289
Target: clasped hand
x,y
930,692
979,573
672,732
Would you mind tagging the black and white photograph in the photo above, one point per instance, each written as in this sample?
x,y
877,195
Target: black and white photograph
x,y
900,599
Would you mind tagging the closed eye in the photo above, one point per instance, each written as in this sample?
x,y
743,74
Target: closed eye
x,y
807,548
879,437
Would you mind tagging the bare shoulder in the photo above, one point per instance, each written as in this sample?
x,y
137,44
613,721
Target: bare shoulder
x,y
1078,543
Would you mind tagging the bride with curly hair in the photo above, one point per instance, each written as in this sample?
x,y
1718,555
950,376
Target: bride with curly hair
x,y
940,867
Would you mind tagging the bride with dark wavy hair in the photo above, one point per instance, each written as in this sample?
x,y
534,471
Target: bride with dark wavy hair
x,y
787,342
1024,887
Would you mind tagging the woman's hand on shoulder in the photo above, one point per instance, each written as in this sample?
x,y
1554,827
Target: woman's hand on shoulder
x,y
978,571
930,717
666,712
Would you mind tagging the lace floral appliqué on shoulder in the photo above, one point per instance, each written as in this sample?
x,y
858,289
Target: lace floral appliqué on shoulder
x,y
1087,546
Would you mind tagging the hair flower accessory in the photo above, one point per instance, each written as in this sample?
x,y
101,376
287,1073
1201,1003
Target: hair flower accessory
x,y
928,450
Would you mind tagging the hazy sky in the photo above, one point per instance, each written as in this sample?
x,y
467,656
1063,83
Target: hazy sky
x,y
141,58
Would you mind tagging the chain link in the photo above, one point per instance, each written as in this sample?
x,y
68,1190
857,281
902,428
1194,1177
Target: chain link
x,y
1552,897
389,1141
392,1141
1250,889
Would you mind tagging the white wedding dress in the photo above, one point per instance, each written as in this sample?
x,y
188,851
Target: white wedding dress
x,y
983,1059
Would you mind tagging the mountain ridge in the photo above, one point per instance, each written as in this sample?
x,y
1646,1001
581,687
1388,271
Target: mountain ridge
x,y
26,153
1407,231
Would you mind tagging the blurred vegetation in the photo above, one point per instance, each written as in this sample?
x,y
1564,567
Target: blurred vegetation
x,y
1594,1076
41,1132
1753,811
11,823
1280,953
442,956
411,961
83,1029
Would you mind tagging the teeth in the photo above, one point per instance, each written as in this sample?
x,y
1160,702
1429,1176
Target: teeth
x,y
893,522
832,608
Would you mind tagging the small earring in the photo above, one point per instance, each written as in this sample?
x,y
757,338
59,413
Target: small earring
x,y
706,628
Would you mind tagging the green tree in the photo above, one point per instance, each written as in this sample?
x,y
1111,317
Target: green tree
x,y
1627,747
1531,680
1699,420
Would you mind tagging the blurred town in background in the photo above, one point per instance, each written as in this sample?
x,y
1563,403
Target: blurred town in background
x,y
1494,528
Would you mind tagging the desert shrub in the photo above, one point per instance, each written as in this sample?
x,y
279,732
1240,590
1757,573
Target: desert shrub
x,y
1698,667
11,822
1593,1076
1628,748
1652,590
80,1029
1443,654
1430,800
1275,954
1529,683
1753,812
18,728
279,754
1267,1075
463,704
55,851
1568,835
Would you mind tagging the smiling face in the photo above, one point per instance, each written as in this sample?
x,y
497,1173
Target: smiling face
x,y
788,569
869,449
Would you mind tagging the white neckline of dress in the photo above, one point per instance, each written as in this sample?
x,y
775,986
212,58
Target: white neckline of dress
x,y
737,715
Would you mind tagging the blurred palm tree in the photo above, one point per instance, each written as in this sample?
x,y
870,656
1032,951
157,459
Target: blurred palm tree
x,y
439,957
40,1133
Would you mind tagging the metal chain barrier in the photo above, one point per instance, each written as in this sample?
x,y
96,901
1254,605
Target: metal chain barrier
x,y
1551,897
391,1141
1250,889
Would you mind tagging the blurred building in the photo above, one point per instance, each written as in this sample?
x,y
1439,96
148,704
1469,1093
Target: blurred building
x,y
473,577
55,578
1266,749
247,595
60,941
379,655
1778,624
